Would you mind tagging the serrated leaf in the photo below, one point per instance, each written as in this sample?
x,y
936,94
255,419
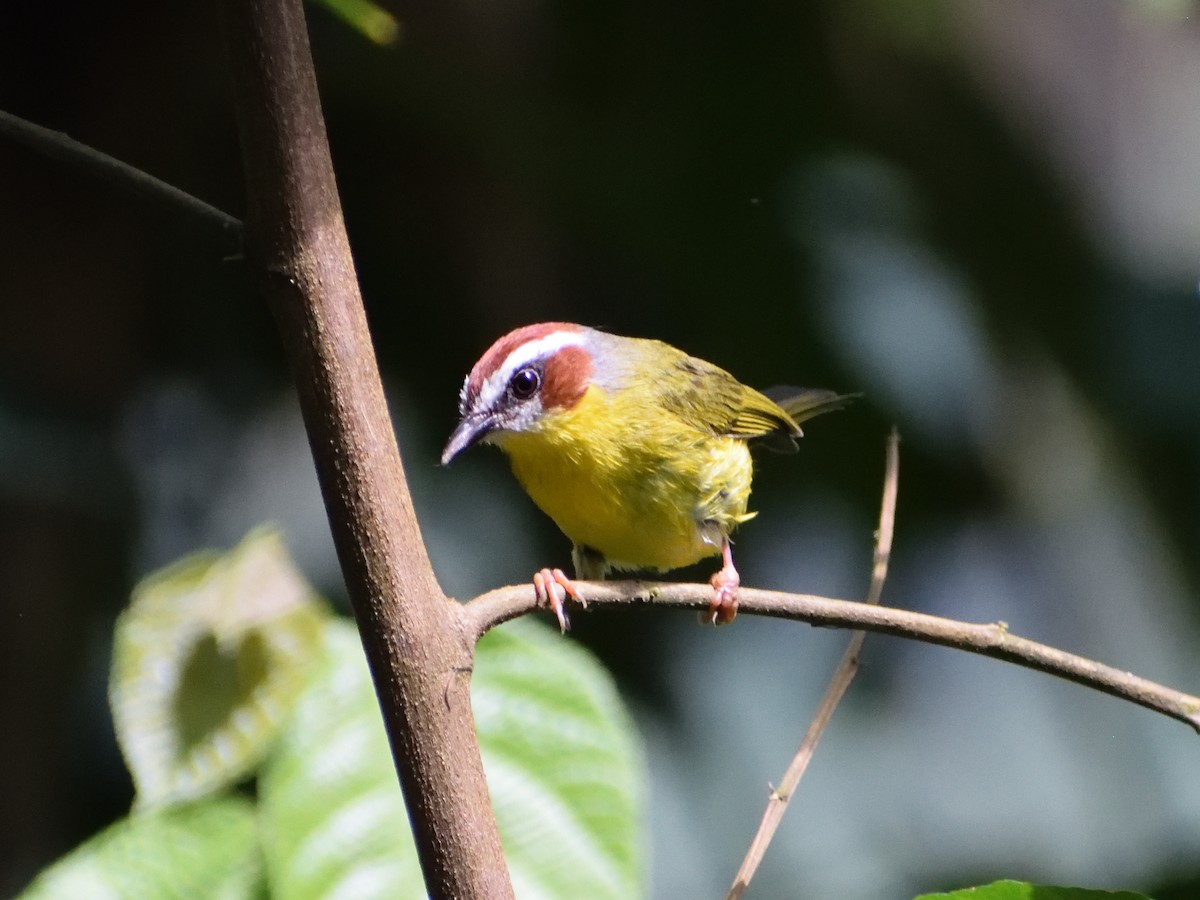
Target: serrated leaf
x,y
208,661
207,849
1020,890
562,761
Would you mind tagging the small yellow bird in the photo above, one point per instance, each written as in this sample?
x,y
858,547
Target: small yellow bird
x,y
637,451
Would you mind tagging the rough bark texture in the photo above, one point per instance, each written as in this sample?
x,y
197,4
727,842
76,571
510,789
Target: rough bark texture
x,y
416,641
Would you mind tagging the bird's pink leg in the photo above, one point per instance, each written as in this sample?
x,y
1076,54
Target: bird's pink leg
x,y
552,587
723,606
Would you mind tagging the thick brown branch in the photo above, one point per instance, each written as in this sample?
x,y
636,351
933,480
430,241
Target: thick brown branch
x,y
416,641
995,640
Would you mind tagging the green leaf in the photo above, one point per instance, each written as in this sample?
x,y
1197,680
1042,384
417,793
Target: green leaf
x,y
208,661
372,21
334,822
563,766
1020,890
207,849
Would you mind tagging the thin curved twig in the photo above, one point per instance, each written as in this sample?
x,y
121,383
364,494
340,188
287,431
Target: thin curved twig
x,y
994,639
847,668
62,147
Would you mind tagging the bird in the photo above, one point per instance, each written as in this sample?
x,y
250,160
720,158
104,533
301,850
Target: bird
x,y
639,452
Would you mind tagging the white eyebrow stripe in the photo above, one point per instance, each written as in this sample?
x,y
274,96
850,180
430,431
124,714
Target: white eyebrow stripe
x,y
526,353
462,395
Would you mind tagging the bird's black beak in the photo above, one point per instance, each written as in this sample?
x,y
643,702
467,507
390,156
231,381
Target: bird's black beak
x,y
473,428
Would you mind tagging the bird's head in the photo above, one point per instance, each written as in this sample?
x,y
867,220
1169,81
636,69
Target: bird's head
x,y
523,378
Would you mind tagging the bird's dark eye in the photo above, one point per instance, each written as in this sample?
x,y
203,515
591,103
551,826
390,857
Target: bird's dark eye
x,y
525,382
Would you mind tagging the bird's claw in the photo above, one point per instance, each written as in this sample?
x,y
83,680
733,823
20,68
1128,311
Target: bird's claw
x,y
723,607
552,587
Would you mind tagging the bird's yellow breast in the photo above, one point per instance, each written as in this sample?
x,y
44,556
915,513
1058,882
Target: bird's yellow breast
x,y
643,488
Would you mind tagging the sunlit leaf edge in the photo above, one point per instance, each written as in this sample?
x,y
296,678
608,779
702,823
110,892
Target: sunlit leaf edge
x,y
208,848
158,634
1021,890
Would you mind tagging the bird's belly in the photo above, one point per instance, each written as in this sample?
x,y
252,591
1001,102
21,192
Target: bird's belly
x,y
654,510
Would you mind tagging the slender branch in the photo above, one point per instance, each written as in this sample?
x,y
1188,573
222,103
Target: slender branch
x,y
846,669
887,519
416,641
62,147
994,640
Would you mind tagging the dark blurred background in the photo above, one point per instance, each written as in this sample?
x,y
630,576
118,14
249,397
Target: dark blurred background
x,y
984,214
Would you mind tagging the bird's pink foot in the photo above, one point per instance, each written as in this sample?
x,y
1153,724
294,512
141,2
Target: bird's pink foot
x,y
552,587
723,607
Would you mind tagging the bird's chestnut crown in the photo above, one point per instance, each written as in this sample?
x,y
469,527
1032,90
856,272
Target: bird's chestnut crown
x,y
526,372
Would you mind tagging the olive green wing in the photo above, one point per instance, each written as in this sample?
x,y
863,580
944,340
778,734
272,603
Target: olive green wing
x,y
710,399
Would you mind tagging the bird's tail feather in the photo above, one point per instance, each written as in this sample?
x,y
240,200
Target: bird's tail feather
x,y
803,404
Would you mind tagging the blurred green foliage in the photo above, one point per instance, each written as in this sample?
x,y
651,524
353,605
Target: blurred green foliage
x,y
302,724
